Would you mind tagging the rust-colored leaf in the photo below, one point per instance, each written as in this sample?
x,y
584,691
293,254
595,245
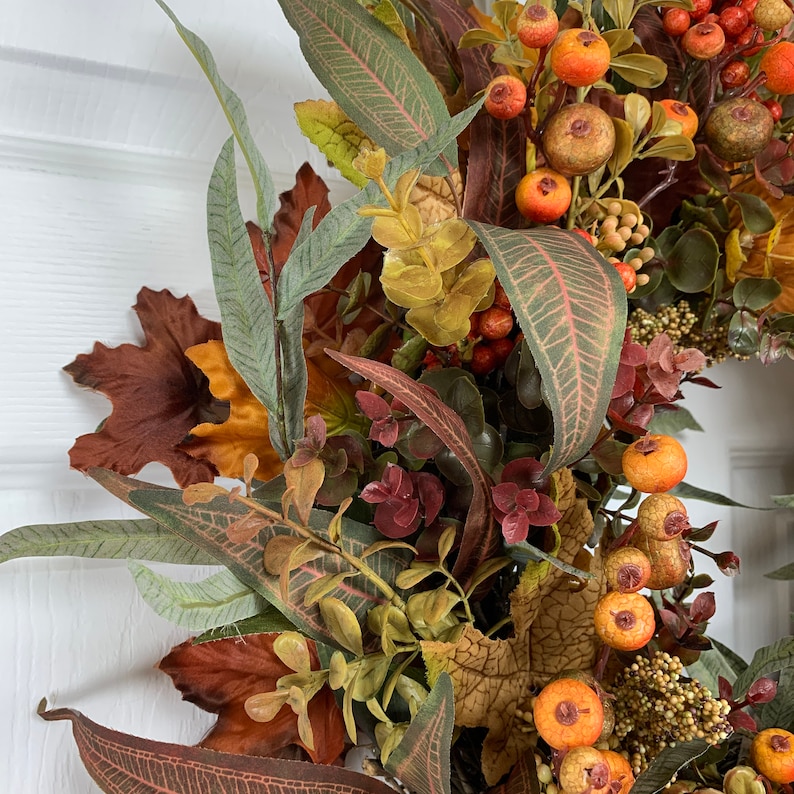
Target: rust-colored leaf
x,y
120,763
305,481
481,537
157,393
220,676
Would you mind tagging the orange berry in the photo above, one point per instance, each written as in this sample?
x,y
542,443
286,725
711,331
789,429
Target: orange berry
x,y
627,569
669,560
619,770
543,195
683,113
662,516
583,769
778,63
624,621
676,21
505,96
536,25
772,754
568,713
579,57
628,275
654,463
703,41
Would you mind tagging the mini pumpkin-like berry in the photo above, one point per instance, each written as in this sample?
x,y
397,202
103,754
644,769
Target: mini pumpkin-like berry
x,y
583,769
772,754
624,621
620,771
654,463
662,516
683,114
627,569
669,560
505,97
543,195
568,713
537,25
579,57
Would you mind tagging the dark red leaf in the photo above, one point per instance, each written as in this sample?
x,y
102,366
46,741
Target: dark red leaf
x,y
725,688
740,719
703,608
220,676
672,622
120,763
158,395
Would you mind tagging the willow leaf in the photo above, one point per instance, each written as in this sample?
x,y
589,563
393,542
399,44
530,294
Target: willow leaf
x,y
373,76
246,312
120,763
107,540
571,305
215,601
666,764
235,113
342,233
265,622
421,759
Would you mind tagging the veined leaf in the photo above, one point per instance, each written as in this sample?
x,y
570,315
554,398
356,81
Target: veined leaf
x,y
269,620
374,76
246,312
421,759
686,491
235,113
106,540
217,600
571,305
666,764
120,763
769,659
342,233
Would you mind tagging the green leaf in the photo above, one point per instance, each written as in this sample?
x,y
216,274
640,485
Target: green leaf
x,y
421,759
669,423
784,501
375,78
105,540
525,552
757,216
784,573
671,147
755,293
692,266
685,491
737,664
711,664
342,233
198,606
266,197
571,305
644,71
267,621
779,712
666,764
777,656
246,312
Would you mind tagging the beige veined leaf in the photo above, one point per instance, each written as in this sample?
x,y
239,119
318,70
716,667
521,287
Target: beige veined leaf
x,y
640,69
202,492
434,199
328,127
734,256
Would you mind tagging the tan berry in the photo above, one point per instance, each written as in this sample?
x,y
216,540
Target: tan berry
x,y
579,57
662,516
568,713
537,25
772,754
627,569
624,621
578,139
738,129
704,41
654,463
771,15
583,769
669,560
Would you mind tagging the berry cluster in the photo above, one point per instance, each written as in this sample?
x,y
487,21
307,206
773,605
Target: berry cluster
x,y
655,707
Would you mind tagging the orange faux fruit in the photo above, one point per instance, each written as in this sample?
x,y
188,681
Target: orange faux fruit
x,y
662,516
579,57
654,463
627,569
683,113
772,754
619,770
583,770
543,195
568,713
778,64
624,621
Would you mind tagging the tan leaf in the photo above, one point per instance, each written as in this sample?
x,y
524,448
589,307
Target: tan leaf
x,y
201,493
433,197
306,481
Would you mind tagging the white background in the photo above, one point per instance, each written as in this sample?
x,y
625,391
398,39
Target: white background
x,y
108,132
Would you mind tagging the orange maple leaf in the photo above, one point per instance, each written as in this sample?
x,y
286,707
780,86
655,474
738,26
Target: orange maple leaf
x,y
246,430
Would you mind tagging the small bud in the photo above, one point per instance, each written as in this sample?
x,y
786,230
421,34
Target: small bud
x,y
728,563
762,691
371,162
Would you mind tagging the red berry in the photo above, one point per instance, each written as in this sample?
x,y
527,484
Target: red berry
x,y
750,33
676,21
496,322
627,274
775,108
733,20
483,360
734,74
701,8
749,7
502,348
500,297
505,97
585,235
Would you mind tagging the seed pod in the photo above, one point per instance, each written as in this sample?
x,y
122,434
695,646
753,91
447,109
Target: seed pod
x,y
669,560
662,516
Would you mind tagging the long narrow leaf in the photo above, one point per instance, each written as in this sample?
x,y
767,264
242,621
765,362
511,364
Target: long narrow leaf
x,y
571,304
267,621
370,72
666,764
246,312
108,540
215,601
232,106
342,233
421,759
120,764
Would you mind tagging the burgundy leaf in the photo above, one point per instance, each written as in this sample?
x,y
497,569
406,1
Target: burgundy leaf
x,y
220,676
120,764
740,719
725,688
158,395
703,608
515,526
672,622
761,691
728,563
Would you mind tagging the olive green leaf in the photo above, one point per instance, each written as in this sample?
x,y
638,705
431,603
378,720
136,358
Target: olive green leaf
x,y
670,147
637,111
693,262
767,660
662,769
755,293
757,216
342,623
644,71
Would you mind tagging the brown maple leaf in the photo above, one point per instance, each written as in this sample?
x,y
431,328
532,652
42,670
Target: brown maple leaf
x,y
220,676
158,395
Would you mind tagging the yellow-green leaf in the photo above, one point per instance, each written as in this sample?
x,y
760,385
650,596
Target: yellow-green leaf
x,y
619,40
402,232
293,650
734,256
637,111
370,678
674,147
624,145
476,37
387,13
407,284
645,71
343,624
324,585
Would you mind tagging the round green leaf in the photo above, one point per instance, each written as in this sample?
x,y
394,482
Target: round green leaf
x,y
693,262
757,216
755,293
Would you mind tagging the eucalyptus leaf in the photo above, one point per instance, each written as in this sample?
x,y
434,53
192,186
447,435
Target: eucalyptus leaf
x,y
693,262
755,293
120,539
662,769
220,599
757,216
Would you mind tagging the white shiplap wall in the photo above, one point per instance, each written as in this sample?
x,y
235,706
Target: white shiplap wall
x,y
107,136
